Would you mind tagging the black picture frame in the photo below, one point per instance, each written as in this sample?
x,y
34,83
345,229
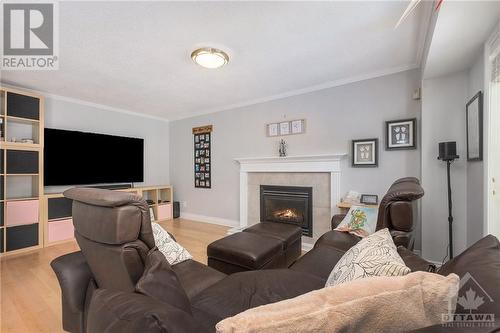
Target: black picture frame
x,y
369,199
388,134
202,160
370,164
470,130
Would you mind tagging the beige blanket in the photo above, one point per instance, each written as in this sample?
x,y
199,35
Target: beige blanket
x,y
376,304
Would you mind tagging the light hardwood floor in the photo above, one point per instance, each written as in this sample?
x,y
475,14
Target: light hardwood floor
x,y
30,296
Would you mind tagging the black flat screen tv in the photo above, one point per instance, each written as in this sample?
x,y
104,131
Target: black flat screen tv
x,y
81,158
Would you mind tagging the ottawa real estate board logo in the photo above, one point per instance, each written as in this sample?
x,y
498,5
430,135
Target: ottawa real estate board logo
x,y
472,299
30,35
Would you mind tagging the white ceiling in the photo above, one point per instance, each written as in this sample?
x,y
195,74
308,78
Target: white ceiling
x,y
461,29
136,55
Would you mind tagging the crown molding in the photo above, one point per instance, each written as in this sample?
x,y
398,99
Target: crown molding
x,y
85,103
303,91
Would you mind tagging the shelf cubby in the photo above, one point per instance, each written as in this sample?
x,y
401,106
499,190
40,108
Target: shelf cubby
x,y
18,129
21,236
23,106
22,162
59,208
21,187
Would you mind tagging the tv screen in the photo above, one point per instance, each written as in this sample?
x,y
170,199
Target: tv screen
x,y
80,158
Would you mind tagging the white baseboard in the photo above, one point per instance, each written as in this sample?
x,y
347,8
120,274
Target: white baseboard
x,y
210,219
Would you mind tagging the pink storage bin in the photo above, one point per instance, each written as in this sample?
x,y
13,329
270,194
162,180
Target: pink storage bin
x,y
22,212
60,230
164,211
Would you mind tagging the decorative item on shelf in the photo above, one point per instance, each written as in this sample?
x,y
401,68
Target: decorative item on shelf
x,y
202,156
365,153
352,197
474,118
286,128
30,141
369,199
282,148
448,153
401,134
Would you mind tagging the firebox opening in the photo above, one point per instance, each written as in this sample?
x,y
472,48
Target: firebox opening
x,y
287,204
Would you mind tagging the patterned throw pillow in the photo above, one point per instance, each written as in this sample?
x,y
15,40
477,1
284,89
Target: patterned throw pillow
x,y
360,221
172,250
375,255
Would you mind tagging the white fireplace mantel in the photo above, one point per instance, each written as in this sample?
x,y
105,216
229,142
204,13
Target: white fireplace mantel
x,y
309,163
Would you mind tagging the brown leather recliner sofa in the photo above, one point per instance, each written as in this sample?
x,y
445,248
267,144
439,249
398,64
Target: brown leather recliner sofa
x,y
398,211
114,234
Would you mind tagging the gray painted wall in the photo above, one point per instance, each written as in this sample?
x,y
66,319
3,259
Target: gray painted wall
x,y
443,119
333,116
475,173
74,116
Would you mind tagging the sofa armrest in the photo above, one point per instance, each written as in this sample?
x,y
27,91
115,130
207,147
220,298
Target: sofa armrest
x,y
74,277
336,219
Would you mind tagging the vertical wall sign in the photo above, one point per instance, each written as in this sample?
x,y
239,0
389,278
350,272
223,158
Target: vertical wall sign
x,y
202,156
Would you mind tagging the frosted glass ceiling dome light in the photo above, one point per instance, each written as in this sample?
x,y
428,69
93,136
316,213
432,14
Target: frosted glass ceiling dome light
x,y
209,57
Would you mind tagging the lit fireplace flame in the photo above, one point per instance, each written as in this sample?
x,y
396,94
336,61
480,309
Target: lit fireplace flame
x,y
287,213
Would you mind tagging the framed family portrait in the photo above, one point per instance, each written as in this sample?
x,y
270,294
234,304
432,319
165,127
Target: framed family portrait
x,y
365,153
474,119
401,134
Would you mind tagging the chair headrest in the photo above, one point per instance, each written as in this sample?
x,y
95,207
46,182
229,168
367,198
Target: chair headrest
x,y
403,189
110,217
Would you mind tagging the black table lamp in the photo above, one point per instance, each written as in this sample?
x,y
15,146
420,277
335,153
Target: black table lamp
x,y
448,153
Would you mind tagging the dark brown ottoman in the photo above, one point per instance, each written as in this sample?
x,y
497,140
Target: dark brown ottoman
x,y
245,251
290,235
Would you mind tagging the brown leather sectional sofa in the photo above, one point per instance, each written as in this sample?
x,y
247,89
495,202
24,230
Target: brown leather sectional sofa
x,y
114,234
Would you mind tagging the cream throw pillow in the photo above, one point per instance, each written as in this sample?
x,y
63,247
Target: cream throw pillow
x,y
173,251
375,255
379,304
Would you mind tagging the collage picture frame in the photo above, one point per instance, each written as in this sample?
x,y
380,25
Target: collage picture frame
x,y
203,157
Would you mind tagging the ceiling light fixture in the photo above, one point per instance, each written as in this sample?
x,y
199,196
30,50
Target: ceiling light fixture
x,y
210,57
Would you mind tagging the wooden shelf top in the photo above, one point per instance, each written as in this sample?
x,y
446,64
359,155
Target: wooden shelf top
x,y
19,145
23,120
347,205
22,199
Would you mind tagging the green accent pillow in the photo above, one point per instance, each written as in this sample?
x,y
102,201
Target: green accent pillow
x,y
360,221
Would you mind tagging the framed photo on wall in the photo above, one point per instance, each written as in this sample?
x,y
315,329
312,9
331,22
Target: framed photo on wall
x,y
365,153
202,156
401,134
474,119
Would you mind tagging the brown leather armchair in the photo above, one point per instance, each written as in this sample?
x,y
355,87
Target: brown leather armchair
x,y
397,211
